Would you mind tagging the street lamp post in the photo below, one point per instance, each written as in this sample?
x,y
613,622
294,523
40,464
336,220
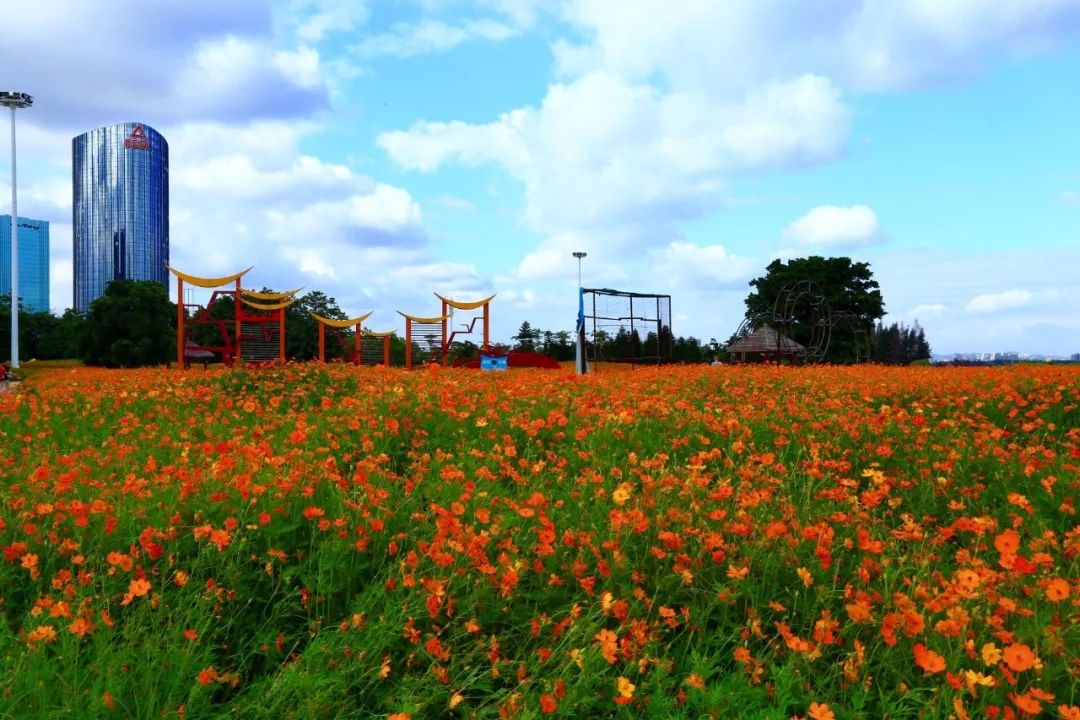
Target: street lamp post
x,y
580,353
579,255
14,100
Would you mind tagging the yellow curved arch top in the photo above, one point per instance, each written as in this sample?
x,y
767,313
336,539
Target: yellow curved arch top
x,y
372,333
268,306
424,320
271,296
352,322
207,282
465,305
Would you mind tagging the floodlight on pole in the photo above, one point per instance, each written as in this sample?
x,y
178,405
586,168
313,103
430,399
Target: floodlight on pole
x,y
579,354
14,100
579,255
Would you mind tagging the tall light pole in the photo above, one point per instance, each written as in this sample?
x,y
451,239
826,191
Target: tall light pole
x,y
579,255
579,359
14,100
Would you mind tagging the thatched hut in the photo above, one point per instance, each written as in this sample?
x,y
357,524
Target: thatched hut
x,y
764,345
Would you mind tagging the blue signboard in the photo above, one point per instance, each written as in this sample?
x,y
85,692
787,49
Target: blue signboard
x,y
492,362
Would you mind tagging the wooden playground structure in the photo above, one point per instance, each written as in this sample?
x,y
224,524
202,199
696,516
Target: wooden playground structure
x,y
253,331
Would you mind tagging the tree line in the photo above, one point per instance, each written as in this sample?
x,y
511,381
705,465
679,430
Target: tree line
x,y
620,345
134,324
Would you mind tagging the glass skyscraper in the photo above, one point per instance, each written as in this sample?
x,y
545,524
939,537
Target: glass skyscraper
x,y
120,176
33,262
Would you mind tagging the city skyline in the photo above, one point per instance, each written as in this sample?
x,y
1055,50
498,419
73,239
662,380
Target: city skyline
x,y
384,151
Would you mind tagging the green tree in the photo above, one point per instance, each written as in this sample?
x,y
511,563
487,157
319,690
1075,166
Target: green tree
x,y
42,335
526,337
563,347
131,325
898,344
223,310
302,330
853,297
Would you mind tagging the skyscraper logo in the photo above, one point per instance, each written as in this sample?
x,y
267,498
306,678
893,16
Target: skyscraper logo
x,y
137,140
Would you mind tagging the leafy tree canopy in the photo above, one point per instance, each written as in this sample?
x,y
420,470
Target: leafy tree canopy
x,y
131,325
302,330
853,297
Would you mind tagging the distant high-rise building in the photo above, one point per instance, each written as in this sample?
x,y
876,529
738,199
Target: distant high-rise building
x,y
120,212
33,262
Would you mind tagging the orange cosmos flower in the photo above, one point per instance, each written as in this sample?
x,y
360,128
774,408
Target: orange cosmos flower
x,y
138,588
207,675
608,644
1026,704
626,688
1057,589
548,704
1018,657
40,634
737,573
1069,712
81,627
821,711
1008,542
928,660
400,716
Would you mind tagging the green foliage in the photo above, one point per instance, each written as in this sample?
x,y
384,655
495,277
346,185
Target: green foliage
x,y
302,330
899,344
132,325
526,337
848,287
42,335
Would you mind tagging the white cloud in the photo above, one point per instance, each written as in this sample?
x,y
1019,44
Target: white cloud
x,y
927,309
865,44
708,265
602,151
300,67
835,227
211,60
995,302
238,175
429,36
523,13
314,20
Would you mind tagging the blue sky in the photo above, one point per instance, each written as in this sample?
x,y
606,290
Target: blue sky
x,y
382,150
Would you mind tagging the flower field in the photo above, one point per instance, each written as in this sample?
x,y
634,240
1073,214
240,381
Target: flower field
x,y
735,542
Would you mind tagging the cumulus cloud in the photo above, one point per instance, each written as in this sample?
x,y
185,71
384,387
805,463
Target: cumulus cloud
x,y
835,227
601,150
708,265
865,45
210,60
995,302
